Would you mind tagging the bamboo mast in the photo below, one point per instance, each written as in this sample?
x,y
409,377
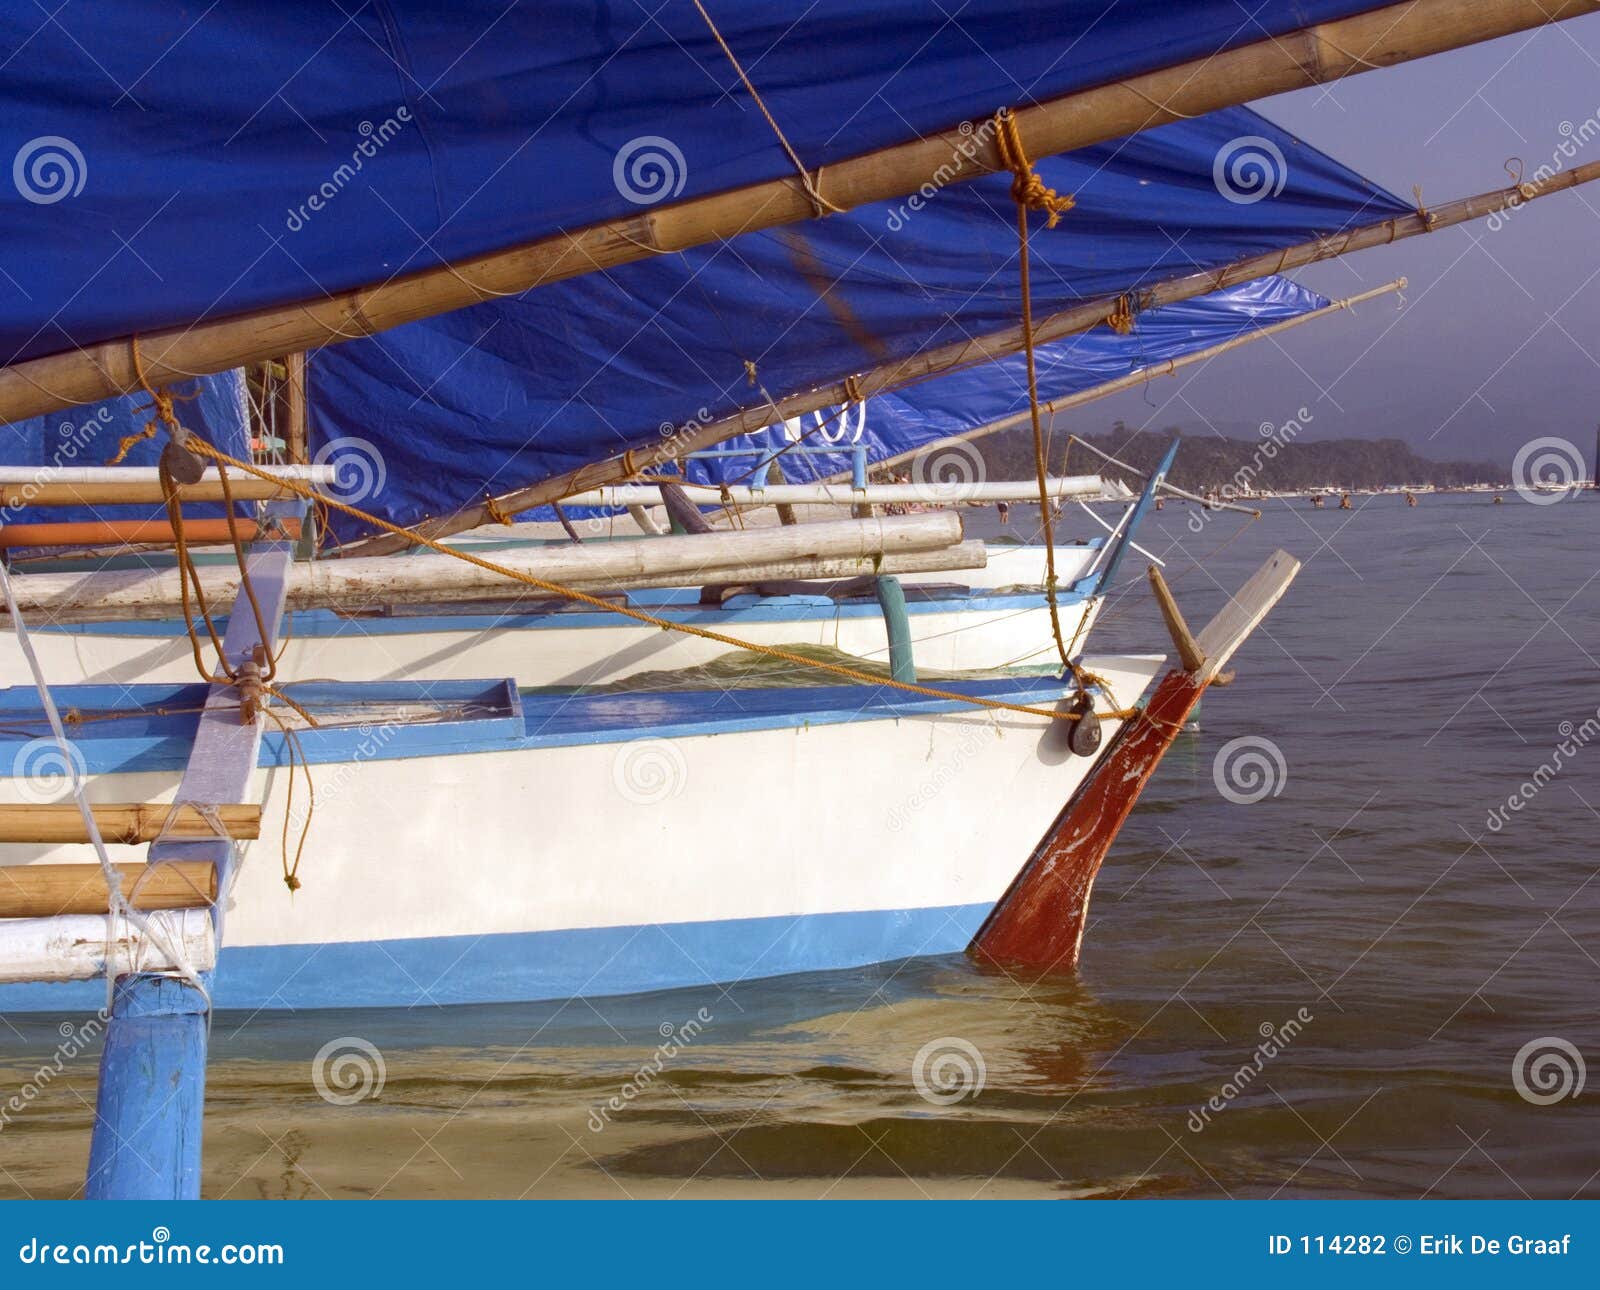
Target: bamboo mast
x,y
1381,37
984,349
1167,367
297,439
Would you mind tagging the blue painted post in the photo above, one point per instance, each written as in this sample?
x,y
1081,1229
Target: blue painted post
x,y
149,1112
1140,509
858,467
892,600
149,1116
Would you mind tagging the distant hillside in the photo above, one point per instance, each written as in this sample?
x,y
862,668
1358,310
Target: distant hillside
x,y
1275,462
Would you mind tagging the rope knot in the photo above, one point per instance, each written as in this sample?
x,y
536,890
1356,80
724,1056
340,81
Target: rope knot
x,y
495,511
1028,188
1120,319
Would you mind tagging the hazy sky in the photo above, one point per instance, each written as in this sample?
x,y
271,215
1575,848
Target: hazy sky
x,y
1499,338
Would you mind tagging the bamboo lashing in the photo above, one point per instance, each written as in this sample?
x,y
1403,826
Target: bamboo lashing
x,y
1381,37
50,890
126,823
986,349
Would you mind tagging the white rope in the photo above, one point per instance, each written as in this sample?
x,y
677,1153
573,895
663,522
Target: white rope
x,y
118,905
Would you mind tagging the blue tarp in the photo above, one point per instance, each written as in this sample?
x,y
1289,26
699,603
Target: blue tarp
x,y
90,435
511,392
920,414
172,162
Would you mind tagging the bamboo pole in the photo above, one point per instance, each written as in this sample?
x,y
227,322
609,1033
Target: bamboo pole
x,y
1381,37
48,890
1059,488
1168,367
986,349
244,489
297,437
125,823
143,594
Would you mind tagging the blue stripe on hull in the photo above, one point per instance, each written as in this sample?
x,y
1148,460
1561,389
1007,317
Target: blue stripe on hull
x,y
529,966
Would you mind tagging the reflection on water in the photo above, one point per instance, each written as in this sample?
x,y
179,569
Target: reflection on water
x,y
1323,991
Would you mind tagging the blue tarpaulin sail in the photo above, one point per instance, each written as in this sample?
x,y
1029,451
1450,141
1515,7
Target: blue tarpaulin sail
x,y
214,406
173,162
508,393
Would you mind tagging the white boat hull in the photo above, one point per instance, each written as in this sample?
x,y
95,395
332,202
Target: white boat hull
x,y
614,861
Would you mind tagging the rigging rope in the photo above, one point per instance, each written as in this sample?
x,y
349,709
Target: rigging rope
x,y
1029,191
200,446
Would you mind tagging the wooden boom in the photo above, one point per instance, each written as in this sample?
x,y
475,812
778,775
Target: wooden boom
x,y
1330,51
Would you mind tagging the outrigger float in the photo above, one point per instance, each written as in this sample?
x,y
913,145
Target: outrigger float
x,y
496,836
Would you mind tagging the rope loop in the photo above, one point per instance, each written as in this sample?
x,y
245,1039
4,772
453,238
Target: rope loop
x,y
1120,319
496,512
1027,187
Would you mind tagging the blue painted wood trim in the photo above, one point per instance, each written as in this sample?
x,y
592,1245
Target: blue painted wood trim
x,y
1140,509
148,1116
523,967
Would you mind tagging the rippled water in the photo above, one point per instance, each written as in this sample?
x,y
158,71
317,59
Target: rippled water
x,y
1418,673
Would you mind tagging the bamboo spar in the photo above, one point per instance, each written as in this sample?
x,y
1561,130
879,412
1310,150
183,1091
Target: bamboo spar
x,y
1167,367
599,566
1381,37
986,349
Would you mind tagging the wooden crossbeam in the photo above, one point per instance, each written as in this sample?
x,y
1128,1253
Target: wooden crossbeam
x,y
127,823
137,492
46,890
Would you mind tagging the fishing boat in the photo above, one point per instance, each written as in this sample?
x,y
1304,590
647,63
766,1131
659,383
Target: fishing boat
x,y
492,839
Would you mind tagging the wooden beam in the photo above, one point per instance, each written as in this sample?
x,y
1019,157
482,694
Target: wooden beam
x,y
123,823
1381,37
130,532
295,404
244,488
1182,639
46,890
429,576
985,349
80,947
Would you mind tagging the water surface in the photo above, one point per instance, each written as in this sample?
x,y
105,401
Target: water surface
x,y
1364,916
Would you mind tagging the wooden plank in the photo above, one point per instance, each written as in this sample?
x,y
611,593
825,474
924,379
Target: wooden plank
x,y
46,890
1244,611
1381,37
124,823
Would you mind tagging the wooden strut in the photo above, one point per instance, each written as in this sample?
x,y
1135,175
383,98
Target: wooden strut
x,y
131,532
1314,55
1039,923
50,890
986,349
126,824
